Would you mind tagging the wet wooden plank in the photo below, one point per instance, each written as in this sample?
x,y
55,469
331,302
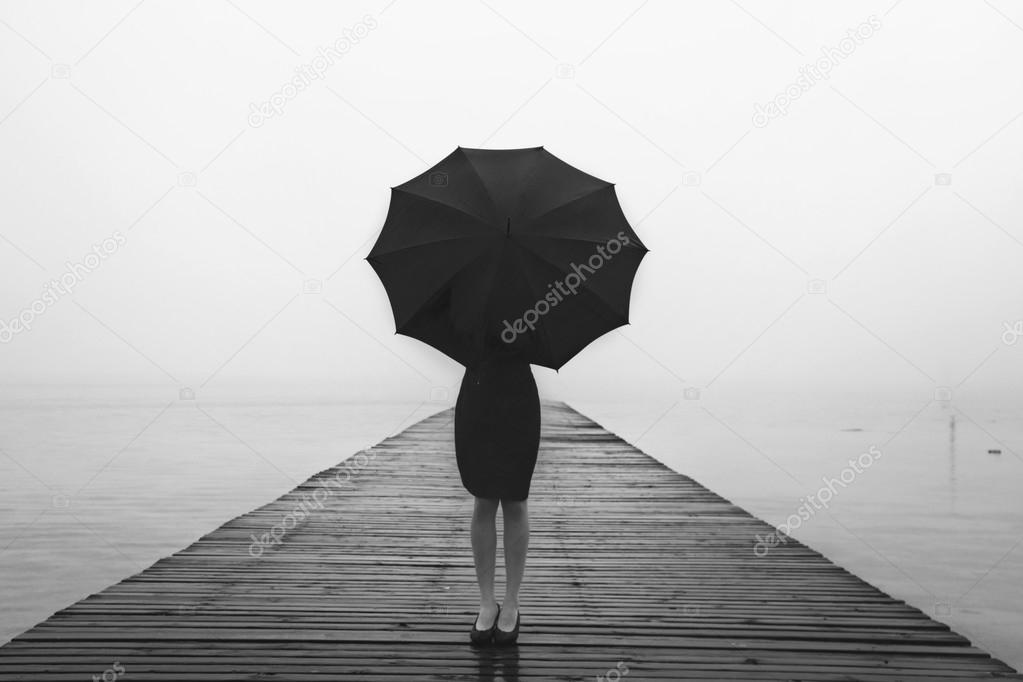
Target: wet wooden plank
x,y
632,567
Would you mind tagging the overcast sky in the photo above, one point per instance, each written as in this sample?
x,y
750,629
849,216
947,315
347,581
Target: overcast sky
x,y
864,237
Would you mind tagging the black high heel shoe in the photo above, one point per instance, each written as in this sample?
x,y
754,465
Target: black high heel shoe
x,y
484,636
502,637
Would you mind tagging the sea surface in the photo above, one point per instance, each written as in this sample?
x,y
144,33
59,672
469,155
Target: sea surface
x,y
933,515
97,485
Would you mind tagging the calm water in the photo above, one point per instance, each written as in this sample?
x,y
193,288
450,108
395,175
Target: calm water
x,y
95,487
934,520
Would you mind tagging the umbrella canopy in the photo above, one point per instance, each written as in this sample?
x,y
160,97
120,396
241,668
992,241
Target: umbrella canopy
x,y
506,250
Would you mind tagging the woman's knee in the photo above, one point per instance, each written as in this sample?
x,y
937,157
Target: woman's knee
x,y
485,508
515,509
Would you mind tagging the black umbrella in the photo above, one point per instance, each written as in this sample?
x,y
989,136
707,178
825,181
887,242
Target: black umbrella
x,y
506,250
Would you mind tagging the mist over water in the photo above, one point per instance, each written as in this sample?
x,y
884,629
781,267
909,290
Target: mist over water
x,y
172,470
188,328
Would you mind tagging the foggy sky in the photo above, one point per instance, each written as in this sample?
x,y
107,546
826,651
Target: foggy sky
x,y
227,220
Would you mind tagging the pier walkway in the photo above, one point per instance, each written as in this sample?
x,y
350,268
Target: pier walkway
x,y
635,572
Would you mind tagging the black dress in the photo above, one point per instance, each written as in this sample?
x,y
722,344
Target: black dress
x,y
497,428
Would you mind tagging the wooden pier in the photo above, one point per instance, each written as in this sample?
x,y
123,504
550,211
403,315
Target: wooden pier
x,y
635,572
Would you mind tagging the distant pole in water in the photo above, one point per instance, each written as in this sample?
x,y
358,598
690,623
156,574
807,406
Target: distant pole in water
x,y
952,459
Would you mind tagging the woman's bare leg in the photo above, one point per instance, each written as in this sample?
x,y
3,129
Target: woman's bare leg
x,y
484,552
516,542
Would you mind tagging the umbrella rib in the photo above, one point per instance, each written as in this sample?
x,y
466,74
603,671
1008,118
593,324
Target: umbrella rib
x,y
537,165
572,201
613,322
475,217
416,246
483,184
490,295
575,351
558,267
580,240
529,283
440,287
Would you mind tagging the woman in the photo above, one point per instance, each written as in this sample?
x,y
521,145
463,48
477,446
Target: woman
x,y
497,435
